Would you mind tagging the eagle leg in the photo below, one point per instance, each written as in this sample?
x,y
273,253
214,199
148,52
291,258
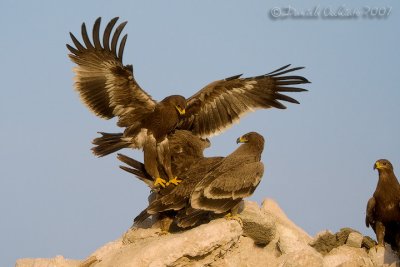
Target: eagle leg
x,y
380,233
234,214
164,158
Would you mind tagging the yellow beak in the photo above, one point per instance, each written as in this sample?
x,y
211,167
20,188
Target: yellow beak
x,y
377,165
181,111
241,140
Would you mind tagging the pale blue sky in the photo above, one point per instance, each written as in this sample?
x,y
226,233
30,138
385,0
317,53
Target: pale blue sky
x,y
57,198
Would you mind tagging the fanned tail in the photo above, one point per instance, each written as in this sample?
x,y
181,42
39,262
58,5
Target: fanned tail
x,y
109,143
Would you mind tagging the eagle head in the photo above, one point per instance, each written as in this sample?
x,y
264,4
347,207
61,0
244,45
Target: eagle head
x,y
251,137
177,101
383,164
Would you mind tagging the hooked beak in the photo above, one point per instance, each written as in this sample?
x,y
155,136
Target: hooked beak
x,y
180,110
241,140
377,165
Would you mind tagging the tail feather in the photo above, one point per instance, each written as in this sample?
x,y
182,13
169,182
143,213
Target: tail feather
x,y
108,143
141,217
137,169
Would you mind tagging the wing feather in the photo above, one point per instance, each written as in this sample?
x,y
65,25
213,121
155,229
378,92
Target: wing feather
x,y
104,84
239,182
225,101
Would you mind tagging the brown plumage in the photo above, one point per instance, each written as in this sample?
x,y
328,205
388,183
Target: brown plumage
x,y
187,161
213,185
108,88
383,209
186,150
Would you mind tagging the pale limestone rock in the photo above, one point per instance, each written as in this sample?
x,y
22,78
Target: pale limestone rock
x,y
383,256
198,246
106,250
354,239
271,208
345,256
256,224
302,258
227,243
58,261
246,254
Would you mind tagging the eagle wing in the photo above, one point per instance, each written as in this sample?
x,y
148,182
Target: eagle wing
x,y
226,185
369,217
221,103
104,84
239,182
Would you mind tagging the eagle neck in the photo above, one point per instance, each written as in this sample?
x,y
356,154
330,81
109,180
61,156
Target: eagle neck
x,y
387,183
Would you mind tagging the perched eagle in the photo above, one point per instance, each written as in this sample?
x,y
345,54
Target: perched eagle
x,y
383,209
108,88
213,185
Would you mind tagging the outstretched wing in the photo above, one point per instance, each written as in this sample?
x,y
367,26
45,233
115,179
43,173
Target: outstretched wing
x,y
221,103
104,84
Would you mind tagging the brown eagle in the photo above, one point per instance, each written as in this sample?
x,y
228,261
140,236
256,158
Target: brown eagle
x,y
108,88
213,185
383,209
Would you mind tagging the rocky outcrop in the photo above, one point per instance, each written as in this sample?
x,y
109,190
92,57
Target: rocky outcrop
x,y
263,237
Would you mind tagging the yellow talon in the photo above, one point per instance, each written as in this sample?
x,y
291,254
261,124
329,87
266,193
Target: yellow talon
x,y
235,217
160,181
174,181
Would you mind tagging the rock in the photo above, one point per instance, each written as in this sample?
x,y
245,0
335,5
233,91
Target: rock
x,y
354,240
368,242
196,246
345,256
324,242
256,225
302,258
383,256
266,237
58,261
272,209
247,254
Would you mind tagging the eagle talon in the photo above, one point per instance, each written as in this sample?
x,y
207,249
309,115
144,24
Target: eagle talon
x,y
160,181
174,181
235,217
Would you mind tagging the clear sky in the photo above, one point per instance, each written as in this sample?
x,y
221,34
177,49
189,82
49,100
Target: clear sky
x,y
57,198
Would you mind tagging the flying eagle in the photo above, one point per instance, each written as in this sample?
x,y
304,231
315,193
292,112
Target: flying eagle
x,y
383,209
108,88
213,185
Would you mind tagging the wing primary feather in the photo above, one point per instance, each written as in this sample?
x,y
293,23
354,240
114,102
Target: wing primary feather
x,y
96,34
286,98
283,72
284,82
77,44
115,38
290,89
122,47
233,77
277,70
292,78
107,33
72,50
85,37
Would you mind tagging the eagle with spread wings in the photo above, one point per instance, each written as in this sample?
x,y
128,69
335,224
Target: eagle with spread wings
x,y
108,88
